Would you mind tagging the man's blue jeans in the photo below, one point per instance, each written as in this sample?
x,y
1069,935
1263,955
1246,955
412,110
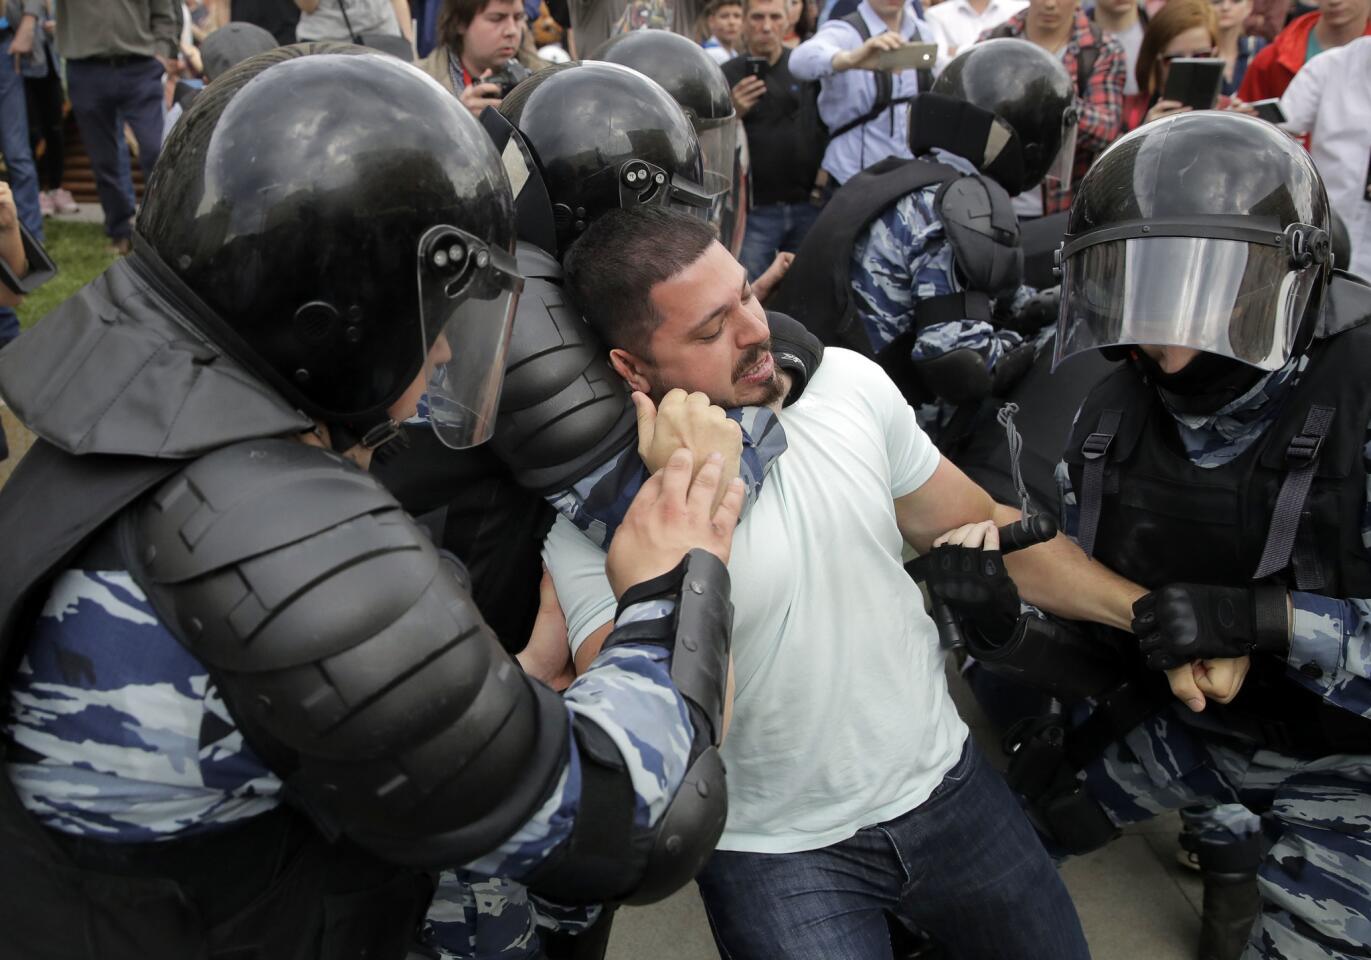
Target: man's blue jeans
x,y
23,174
105,96
774,228
965,866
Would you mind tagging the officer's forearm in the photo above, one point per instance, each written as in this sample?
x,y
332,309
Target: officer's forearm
x,y
1059,578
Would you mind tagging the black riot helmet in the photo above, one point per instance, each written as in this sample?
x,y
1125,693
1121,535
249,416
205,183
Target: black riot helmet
x,y
698,84
338,223
603,137
1206,230
1006,105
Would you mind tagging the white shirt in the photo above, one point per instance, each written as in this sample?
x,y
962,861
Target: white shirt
x,y
719,53
841,717
328,22
961,24
848,95
1330,99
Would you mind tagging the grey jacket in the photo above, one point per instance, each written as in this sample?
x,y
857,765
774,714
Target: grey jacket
x,y
118,28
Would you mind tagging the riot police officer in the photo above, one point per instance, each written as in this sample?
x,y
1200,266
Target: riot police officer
x,y
1224,466
691,77
918,262
251,707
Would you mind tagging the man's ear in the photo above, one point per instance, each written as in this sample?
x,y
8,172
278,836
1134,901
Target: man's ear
x,y
632,369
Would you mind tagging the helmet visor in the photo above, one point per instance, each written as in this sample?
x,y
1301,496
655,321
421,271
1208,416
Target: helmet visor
x,y
467,294
1236,299
719,150
1059,173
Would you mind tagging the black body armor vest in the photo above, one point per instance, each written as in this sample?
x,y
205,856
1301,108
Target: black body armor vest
x,y
1156,518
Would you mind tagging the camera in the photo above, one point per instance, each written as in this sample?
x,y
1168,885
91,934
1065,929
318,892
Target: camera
x,y
507,77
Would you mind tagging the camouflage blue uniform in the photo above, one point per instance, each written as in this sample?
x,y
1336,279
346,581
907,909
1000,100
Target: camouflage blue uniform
x,y
119,735
1316,879
904,257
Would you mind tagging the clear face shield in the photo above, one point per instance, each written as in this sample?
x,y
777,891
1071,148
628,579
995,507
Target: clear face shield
x,y
467,294
1239,291
719,150
1059,173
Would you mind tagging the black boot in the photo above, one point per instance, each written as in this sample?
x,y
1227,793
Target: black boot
x,y
1231,901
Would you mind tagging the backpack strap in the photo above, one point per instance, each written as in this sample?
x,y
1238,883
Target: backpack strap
x,y
1302,459
1085,62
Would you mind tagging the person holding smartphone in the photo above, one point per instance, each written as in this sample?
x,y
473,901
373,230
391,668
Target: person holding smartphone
x,y
784,134
864,105
1182,30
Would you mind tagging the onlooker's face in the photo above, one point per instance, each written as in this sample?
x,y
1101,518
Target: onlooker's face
x,y
1232,13
492,37
712,336
793,10
1051,15
1344,13
1117,7
765,25
1195,42
887,8
726,23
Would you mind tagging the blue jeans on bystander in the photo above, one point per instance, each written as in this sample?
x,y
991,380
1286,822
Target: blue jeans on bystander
x,y
964,866
774,228
23,174
106,94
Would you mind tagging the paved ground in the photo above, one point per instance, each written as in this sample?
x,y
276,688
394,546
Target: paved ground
x,y
1134,900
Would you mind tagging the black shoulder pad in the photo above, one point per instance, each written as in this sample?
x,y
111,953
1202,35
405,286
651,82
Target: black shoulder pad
x,y
351,658
797,351
564,411
979,219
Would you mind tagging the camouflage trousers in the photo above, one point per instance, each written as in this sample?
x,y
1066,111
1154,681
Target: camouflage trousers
x,y
1315,880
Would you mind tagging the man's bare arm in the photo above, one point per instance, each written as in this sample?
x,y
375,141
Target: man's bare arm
x,y
1055,576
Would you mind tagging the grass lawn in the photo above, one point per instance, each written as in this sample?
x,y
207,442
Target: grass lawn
x,y
78,249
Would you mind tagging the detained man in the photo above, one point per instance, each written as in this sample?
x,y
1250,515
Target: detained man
x,y
854,790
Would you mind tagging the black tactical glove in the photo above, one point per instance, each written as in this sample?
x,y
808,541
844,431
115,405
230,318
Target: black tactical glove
x,y
973,582
1184,622
1037,312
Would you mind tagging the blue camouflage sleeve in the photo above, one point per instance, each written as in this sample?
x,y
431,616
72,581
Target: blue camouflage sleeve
x,y
628,693
1330,638
596,503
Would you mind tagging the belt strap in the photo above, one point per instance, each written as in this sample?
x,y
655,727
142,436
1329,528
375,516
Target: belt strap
x,y
952,307
1302,459
1095,450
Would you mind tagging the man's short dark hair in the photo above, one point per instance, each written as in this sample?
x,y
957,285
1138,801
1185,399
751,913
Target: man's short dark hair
x,y
612,268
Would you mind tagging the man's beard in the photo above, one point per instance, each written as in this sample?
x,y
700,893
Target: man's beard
x,y
768,392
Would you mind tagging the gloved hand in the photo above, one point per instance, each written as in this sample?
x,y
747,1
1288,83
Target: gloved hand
x,y
1185,622
974,583
1037,312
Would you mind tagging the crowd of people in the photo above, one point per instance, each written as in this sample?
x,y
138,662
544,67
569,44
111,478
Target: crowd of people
x,y
745,297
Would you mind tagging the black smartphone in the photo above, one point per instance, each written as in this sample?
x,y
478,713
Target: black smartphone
x,y
1194,82
1269,110
756,67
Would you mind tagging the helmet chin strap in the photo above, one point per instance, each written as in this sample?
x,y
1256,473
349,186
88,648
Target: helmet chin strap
x,y
377,433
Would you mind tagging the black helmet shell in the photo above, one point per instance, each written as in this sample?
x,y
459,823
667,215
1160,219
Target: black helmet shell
x,y
291,198
681,66
583,120
1207,163
1023,85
